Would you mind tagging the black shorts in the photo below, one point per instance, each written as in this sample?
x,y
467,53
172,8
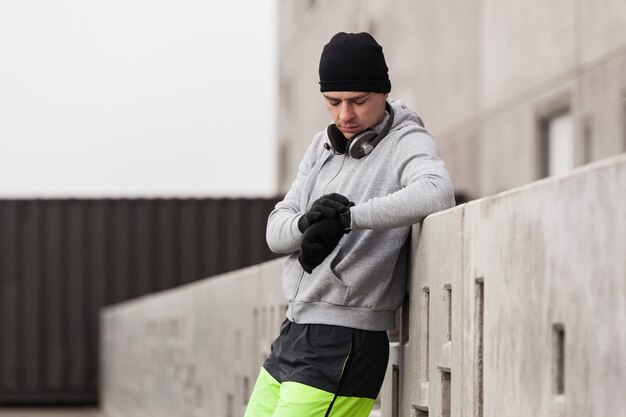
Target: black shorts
x,y
327,368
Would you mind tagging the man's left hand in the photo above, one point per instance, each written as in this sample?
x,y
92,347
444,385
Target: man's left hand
x,y
327,206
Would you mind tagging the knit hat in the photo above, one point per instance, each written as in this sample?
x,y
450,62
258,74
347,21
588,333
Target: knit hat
x,y
353,62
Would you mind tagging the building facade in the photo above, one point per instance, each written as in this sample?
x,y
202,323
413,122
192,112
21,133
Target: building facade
x,y
512,91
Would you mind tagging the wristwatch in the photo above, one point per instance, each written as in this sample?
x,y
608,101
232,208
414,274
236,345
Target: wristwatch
x,y
346,220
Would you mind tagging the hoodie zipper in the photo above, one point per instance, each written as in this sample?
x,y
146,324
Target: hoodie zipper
x,y
343,161
295,296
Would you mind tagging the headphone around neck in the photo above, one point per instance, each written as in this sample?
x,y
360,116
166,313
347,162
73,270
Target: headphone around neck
x,y
360,145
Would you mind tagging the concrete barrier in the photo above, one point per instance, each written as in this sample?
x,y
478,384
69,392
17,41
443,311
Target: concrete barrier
x,y
191,351
517,306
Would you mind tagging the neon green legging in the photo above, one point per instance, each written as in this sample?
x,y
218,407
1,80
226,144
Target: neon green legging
x,y
270,398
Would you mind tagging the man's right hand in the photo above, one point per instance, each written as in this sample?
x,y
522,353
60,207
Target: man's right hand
x,y
327,206
319,241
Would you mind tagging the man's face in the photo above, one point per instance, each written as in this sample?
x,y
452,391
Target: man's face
x,y
354,112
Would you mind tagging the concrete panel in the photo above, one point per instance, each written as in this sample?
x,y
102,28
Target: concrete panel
x,y
538,303
551,255
434,289
525,43
603,110
602,28
429,69
463,158
389,393
509,150
462,155
143,355
193,351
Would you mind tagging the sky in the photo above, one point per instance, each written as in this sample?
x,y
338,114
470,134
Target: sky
x,y
138,98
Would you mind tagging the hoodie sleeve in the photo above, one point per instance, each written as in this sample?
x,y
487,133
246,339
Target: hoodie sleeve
x,y
426,187
282,234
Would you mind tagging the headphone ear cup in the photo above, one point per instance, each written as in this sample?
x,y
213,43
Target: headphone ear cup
x,y
359,142
337,140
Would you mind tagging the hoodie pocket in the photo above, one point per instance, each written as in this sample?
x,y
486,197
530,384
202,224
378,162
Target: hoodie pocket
x,y
367,273
322,285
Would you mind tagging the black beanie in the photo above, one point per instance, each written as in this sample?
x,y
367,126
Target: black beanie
x,y
353,62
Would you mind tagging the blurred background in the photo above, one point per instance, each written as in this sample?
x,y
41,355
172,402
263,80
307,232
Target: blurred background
x,y
137,153
143,144
138,98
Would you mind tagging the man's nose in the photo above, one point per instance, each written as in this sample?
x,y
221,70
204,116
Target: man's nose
x,y
345,112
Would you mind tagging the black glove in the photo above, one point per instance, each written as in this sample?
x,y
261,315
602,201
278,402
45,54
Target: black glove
x,y
327,206
319,241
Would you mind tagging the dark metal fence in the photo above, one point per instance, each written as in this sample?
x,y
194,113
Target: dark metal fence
x,y
62,260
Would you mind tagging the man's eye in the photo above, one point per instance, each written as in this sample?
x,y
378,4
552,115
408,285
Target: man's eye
x,y
358,103
334,103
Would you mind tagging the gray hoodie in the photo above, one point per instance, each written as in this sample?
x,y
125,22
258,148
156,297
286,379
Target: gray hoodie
x,y
363,281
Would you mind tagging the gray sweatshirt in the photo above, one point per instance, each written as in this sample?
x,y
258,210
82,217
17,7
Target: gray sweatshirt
x,y
363,281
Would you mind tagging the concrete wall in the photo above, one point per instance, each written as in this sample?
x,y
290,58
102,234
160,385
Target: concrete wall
x,y
192,351
482,73
520,268
517,306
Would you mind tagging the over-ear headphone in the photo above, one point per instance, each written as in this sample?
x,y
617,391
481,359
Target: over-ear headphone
x,y
361,144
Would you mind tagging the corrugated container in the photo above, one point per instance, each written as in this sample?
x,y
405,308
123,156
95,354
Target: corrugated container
x,y
62,260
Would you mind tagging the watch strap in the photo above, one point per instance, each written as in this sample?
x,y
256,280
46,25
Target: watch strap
x,y
346,220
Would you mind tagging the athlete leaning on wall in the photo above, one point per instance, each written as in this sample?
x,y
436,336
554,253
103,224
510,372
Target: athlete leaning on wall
x,y
362,183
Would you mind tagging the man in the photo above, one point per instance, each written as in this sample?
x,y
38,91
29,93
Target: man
x,y
345,221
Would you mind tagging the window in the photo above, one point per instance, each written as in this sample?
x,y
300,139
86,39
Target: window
x,y
557,143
